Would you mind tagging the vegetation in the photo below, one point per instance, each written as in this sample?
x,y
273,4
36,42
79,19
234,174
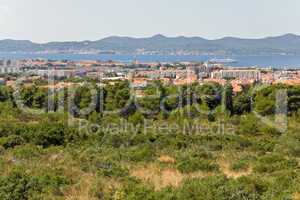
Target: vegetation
x,y
196,142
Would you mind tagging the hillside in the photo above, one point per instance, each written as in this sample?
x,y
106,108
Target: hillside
x,y
159,44
181,154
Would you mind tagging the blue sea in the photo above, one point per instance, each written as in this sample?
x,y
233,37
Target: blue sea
x,y
276,61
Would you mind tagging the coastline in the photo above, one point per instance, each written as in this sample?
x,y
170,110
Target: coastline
x,y
265,61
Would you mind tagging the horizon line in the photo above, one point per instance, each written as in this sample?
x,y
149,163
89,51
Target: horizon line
x,y
156,35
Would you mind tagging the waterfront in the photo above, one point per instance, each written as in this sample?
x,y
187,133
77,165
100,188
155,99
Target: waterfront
x,y
277,61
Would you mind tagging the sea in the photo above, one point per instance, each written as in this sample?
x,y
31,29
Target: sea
x,y
275,61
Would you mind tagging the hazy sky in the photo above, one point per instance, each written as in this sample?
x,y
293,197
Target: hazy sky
x,y
57,20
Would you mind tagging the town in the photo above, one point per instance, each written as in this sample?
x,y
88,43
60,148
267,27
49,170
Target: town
x,y
141,74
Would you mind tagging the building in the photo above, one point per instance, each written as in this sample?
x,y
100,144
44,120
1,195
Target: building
x,y
9,67
139,83
237,74
59,73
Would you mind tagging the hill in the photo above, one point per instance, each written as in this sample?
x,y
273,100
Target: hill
x,y
159,44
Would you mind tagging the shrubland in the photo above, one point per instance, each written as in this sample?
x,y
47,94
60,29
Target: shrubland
x,y
189,142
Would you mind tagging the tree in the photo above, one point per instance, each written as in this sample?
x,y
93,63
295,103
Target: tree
x,y
241,104
228,102
5,94
136,118
117,96
154,95
210,94
39,99
264,106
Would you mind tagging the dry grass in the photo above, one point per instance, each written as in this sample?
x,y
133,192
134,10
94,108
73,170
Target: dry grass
x,y
296,196
166,159
162,178
87,183
81,191
225,169
159,178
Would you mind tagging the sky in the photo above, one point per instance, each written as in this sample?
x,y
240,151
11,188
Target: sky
x,y
77,20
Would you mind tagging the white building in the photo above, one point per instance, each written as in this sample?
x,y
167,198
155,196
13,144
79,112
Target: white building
x,y
237,74
60,73
8,66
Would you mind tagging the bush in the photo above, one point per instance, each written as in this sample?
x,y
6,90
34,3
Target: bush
x,y
27,151
264,145
240,165
140,153
192,164
248,125
49,135
11,141
221,188
135,191
111,169
289,144
114,140
136,118
15,186
47,184
7,129
18,185
272,163
242,143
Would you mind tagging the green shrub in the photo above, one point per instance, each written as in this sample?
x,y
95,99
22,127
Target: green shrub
x,y
49,135
7,129
111,169
263,145
192,164
27,151
11,141
242,143
18,185
140,153
113,140
136,118
221,188
240,165
47,184
135,191
289,144
272,163
249,125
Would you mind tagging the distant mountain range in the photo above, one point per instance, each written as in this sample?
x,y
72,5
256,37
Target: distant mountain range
x,y
288,44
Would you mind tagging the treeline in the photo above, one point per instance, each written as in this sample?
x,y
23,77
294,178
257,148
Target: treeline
x,y
157,99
